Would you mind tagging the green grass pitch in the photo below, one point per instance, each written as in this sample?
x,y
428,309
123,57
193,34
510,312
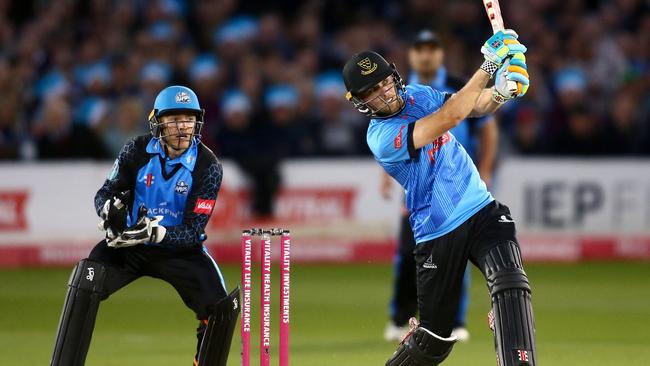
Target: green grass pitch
x,y
587,314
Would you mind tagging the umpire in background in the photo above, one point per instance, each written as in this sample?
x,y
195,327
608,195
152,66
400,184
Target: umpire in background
x,y
154,206
479,136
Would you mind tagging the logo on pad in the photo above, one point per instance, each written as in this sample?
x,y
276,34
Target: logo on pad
x,y
204,206
91,273
523,355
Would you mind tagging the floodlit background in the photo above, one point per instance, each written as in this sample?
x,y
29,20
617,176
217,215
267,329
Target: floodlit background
x,y
78,78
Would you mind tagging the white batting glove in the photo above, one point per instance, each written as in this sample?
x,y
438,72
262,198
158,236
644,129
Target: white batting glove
x,y
512,80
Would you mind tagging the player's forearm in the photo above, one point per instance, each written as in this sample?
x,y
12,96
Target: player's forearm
x,y
455,109
485,104
458,107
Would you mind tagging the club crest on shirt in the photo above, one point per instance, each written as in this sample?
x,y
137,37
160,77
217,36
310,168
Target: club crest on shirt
x,y
181,187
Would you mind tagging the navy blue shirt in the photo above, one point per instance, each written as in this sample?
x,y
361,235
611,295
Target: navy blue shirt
x,y
182,190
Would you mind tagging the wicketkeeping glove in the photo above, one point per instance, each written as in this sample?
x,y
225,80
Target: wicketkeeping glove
x,y
145,230
501,45
113,215
512,80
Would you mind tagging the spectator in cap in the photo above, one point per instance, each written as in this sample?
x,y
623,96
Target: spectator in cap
x,y
12,136
205,77
234,37
624,126
339,133
154,77
247,146
289,135
582,136
127,119
52,84
527,134
570,85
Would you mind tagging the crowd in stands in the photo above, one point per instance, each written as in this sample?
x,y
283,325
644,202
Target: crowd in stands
x,y
78,78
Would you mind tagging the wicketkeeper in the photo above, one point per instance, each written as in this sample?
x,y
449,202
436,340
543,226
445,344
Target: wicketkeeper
x,y
154,206
453,216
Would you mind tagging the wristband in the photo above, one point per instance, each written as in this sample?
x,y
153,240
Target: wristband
x,y
489,67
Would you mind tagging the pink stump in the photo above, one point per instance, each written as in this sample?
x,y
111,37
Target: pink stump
x,y
265,301
246,265
285,281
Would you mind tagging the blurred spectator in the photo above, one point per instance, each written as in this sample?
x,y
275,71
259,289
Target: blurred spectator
x,y
527,138
204,72
238,140
581,53
287,134
58,138
236,137
582,136
623,128
11,136
571,91
128,120
340,131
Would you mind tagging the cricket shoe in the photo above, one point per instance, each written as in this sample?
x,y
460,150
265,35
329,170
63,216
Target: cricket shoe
x,y
461,334
395,333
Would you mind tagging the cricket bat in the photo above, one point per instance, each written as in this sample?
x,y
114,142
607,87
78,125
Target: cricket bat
x,y
496,21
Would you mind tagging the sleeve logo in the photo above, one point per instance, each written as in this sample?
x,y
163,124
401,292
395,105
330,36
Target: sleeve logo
x,y
397,143
204,206
437,144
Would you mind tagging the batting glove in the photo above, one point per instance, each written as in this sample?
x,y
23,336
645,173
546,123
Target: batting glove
x,y
512,80
501,45
145,230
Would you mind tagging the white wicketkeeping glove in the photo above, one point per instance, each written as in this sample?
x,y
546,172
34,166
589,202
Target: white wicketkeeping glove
x,y
145,230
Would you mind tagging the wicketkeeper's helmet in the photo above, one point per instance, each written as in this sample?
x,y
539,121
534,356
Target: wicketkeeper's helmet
x,y
175,99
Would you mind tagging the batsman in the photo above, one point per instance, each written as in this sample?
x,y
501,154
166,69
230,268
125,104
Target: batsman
x,y
453,216
154,206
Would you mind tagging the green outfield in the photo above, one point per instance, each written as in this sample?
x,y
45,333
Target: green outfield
x,y
589,314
